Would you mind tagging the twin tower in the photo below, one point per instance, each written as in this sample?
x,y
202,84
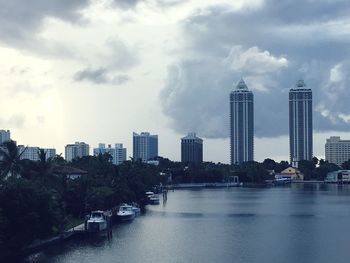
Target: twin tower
x,y
242,123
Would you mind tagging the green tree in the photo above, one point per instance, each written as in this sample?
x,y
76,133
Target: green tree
x,y
10,160
26,213
346,165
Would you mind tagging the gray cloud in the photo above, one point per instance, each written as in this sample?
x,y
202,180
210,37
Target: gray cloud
x,y
130,4
100,76
271,47
19,22
126,4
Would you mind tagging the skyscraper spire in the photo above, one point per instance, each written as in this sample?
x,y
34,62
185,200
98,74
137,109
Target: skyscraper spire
x,y
300,84
241,84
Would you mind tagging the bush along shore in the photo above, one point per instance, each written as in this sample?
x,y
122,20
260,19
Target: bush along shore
x,y
42,199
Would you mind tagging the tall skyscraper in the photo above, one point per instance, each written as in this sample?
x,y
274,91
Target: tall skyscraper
x,y
242,124
300,122
145,146
118,153
337,150
191,149
77,150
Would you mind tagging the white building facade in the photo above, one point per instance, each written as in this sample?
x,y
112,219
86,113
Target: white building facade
x,y
32,153
145,146
76,150
118,153
337,151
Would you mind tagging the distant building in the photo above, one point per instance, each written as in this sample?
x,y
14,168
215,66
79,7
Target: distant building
x,y
290,173
300,122
337,150
191,149
242,124
32,153
341,176
118,153
68,172
145,146
5,136
77,150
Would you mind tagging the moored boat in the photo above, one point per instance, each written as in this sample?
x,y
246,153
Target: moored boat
x,y
126,212
154,200
98,221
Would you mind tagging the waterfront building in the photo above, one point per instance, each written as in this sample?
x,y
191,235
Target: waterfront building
x,y
340,176
118,153
337,150
76,150
32,153
290,173
191,149
145,146
300,122
242,124
5,136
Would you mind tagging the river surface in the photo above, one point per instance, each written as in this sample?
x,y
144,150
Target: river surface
x,y
301,223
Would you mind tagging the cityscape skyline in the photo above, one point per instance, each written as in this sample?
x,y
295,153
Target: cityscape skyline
x,y
167,68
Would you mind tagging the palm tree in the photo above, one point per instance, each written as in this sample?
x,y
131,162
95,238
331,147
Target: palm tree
x,y
10,160
43,167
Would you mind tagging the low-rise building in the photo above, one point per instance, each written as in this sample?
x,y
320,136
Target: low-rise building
x,y
68,172
340,176
290,173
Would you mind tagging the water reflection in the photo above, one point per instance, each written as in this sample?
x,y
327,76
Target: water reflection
x,y
303,223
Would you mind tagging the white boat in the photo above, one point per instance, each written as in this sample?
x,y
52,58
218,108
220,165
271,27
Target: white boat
x,y
126,212
97,221
149,194
154,199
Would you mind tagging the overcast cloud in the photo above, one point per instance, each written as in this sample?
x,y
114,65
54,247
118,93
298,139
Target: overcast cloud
x,y
271,46
175,63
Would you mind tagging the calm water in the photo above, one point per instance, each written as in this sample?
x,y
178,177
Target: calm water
x,y
297,224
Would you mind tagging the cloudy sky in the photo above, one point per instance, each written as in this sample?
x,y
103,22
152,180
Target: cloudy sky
x,y
97,70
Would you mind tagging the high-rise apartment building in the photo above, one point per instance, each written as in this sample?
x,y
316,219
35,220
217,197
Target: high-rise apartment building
x,y
242,124
4,136
32,153
337,150
300,122
145,146
77,150
118,153
191,149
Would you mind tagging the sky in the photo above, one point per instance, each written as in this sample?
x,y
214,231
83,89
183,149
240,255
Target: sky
x,y
98,70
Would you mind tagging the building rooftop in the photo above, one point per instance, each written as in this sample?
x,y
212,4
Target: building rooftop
x,y
241,85
191,135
